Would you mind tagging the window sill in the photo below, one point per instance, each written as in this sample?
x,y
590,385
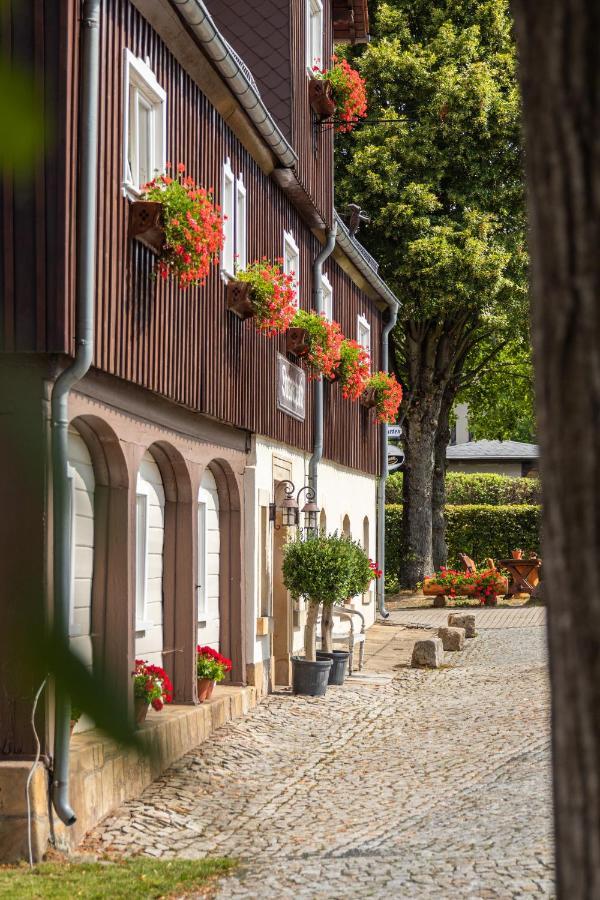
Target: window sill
x,y
143,627
201,623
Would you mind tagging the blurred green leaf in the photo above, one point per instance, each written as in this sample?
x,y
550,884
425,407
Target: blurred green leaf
x,y
21,120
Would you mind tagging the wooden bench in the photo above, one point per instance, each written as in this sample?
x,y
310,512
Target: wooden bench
x,y
352,637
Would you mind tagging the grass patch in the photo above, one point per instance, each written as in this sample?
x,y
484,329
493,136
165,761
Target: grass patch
x,y
120,880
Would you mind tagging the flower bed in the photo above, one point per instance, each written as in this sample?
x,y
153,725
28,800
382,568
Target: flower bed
x,y
192,224
323,342
384,393
349,92
354,369
451,583
272,295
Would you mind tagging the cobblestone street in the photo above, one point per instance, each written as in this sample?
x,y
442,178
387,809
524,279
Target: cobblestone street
x,y
435,784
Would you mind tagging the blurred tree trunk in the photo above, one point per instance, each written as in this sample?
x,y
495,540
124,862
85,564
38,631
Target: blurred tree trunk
x,y
560,75
438,492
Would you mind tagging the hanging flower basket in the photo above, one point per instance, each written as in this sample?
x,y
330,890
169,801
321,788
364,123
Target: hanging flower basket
x,y
297,341
383,392
348,90
238,299
265,292
354,369
192,227
368,398
320,97
146,224
324,340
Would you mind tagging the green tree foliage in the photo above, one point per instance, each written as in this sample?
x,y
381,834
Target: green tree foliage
x,y
441,178
463,488
318,569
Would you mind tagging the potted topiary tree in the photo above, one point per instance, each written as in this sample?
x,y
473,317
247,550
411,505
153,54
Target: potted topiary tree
x,y
360,574
317,570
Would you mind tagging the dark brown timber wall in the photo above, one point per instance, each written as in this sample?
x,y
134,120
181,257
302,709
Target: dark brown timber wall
x,y
183,345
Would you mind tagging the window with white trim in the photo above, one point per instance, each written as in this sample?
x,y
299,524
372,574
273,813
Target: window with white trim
x,y
141,556
291,261
144,132
314,35
327,298
228,210
202,561
240,223
363,334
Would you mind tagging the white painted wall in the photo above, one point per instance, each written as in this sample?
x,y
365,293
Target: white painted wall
x,y
209,547
82,483
342,492
149,629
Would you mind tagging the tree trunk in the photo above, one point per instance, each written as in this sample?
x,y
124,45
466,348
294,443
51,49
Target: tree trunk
x,y
416,557
327,628
438,491
310,631
560,73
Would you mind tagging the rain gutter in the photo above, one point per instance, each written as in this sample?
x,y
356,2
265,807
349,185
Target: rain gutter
x,y
84,338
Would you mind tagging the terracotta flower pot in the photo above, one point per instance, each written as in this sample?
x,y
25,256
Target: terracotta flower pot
x,y
141,710
146,224
239,301
205,688
296,341
517,554
320,97
368,398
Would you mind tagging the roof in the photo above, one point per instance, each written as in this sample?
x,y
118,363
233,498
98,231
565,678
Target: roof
x,y
363,261
498,450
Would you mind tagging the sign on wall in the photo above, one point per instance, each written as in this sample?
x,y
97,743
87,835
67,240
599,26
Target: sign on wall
x,y
291,388
394,432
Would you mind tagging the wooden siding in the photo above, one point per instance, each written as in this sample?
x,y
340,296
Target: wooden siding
x,y
183,345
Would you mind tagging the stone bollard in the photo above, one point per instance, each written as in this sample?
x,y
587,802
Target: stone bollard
x,y
452,638
462,620
428,653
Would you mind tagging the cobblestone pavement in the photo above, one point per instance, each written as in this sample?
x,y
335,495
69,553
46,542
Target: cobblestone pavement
x,y
435,785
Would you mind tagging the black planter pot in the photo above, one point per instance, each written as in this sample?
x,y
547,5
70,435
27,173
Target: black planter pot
x,y
339,658
310,678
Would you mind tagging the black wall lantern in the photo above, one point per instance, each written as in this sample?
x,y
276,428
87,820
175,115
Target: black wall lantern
x,y
290,507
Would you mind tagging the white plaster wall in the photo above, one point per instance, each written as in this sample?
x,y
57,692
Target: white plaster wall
x,y
342,491
81,478
149,632
208,621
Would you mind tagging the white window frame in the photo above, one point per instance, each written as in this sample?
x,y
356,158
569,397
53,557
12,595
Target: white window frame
x,y
327,298
228,194
241,239
363,329
202,565
290,248
139,78
314,35
142,623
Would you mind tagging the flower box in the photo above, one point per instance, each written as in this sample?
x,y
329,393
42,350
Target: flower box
x,y
500,586
297,341
320,97
146,224
239,301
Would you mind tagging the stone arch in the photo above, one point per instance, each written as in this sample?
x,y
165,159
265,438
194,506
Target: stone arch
x,y
346,526
231,595
323,521
178,595
111,599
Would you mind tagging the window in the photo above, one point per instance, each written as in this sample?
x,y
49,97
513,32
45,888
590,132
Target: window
x,y
228,208
327,298
234,253
141,558
291,261
240,223
363,334
314,34
202,566
145,124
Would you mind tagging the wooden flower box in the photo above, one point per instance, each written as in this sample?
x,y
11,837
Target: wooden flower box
x,y
296,341
500,586
320,97
239,301
368,398
146,224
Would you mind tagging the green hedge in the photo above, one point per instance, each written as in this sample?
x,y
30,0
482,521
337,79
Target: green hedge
x,y
477,530
477,488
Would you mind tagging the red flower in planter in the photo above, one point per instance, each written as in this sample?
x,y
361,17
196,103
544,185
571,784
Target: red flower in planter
x,y
388,396
152,684
349,92
354,369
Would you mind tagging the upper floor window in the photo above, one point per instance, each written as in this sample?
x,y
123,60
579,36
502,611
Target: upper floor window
x,y
327,298
234,221
144,130
314,34
363,334
291,261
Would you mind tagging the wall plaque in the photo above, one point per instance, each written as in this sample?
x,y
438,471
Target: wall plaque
x,y
291,388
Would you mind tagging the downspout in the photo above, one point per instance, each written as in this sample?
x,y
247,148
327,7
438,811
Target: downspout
x,y
317,453
384,471
84,337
